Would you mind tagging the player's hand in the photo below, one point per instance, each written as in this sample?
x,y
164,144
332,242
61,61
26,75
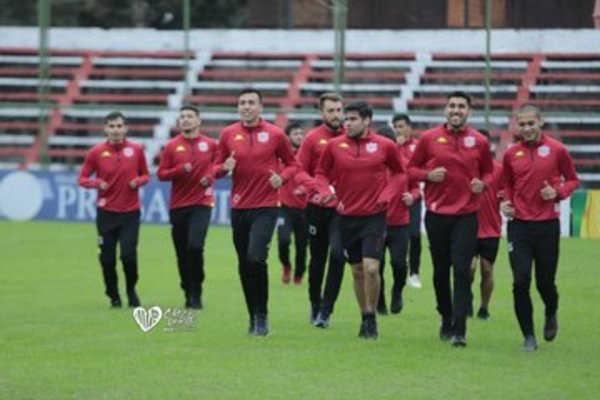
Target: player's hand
x,y
477,185
437,174
103,185
229,163
187,167
275,180
133,184
205,181
548,192
507,208
407,198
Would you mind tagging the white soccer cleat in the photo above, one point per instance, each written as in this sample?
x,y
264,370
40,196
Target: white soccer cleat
x,y
414,282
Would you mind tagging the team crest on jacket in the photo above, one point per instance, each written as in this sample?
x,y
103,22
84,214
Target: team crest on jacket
x,y
203,146
412,147
128,152
441,139
469,141
519,153
371,147
180,149
323,141
263,137
238,137
106,153
344,145
543,151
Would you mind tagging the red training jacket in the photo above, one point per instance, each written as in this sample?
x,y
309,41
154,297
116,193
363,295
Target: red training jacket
x,y
309,154
357,169
465,155
398,213
117,165
288,196
186,189
409,146
527,166
258,151
488,216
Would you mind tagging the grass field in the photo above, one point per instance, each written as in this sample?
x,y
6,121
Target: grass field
x,y
60,340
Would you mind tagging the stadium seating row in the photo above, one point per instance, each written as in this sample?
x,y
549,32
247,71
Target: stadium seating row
x,y
150,86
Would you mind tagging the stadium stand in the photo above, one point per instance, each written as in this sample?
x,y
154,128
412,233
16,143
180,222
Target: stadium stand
x,y
150,87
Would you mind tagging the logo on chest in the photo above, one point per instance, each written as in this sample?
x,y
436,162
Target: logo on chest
x,y
371,147
128,152
544,151
263,137
469,141
203,146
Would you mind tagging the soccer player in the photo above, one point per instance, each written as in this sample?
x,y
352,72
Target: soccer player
x,y
187,162
252,150
119,169
408,142
453,160
322,218
488,234
356,164
397,234
292,217
538,173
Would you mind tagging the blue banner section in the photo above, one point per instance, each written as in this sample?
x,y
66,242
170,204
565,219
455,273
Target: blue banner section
x,y
26,195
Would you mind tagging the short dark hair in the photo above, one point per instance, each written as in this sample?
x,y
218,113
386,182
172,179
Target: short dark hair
x,y
329,96
251,90
115,115
363,109
460,94
385,130
401,117
191,108
292,126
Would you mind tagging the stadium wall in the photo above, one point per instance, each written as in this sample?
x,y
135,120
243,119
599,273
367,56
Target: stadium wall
x,y
55,196
311,41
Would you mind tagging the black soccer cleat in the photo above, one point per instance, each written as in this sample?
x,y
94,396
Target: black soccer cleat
x,y
550,328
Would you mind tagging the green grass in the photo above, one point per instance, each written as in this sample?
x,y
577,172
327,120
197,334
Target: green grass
x,y
60,340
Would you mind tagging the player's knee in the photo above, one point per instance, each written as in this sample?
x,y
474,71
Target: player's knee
x,y
372,269
521,285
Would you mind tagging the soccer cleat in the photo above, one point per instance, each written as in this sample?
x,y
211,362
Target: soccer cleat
x,y
314,314
134,300
323,318
397,303
363,329
372,331
414,281
297,280
446,330
195,303
483,314
458,341
550,328
252,325
286,277
529,344
262,325
115,302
